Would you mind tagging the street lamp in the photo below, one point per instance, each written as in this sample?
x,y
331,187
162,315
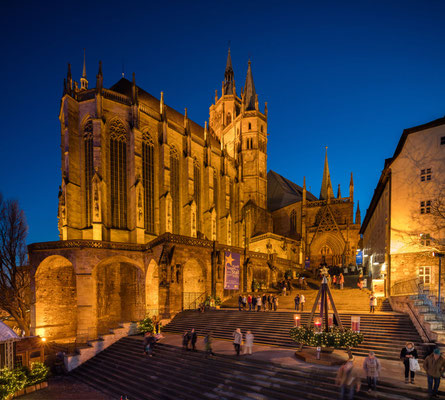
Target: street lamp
x,y
440,255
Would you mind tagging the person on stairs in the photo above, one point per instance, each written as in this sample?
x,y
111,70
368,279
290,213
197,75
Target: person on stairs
x,y
249,302
253,303
302,301
208,345
348,380
297,302
258,303
341,280
248,343
240,302
371,365
185,340
434,366
275,303
149,343
193,338
372,303
237,339
408,353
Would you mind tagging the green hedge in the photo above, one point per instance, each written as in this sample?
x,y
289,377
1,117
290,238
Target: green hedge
x,y
335,337
146,325
12,381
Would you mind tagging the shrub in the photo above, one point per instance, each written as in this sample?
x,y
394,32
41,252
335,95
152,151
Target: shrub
x,y
335,337
146,325
38,373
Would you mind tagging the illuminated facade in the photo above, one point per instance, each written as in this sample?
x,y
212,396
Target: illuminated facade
x,y
405,222
150,201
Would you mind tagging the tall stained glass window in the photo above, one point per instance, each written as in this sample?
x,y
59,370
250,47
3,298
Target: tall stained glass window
x,y
174,188
88,169
148,182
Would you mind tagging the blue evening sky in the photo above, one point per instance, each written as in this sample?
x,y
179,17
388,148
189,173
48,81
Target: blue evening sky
x,y
350,75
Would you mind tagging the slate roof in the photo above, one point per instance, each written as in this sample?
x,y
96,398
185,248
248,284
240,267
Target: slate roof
x,y
281,192
6,332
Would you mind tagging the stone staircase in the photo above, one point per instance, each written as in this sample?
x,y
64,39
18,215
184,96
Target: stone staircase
x,y
171,373
385,334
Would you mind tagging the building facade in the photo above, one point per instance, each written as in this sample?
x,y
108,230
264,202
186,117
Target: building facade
x,y
405,223
150,201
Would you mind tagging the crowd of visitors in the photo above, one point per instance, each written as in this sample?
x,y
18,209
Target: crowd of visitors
x,y
260,302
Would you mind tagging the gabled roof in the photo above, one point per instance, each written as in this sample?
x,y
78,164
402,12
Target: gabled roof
x,y
281,192
6,332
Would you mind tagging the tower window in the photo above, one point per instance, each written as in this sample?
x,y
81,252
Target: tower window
x,y
148,181
174,188
425,239
88,168
261,128
250,126
293,222
425,174
425,207
118,174
197,190
442,140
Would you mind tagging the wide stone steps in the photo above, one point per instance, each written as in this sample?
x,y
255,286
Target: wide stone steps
x,y
176,374
384,334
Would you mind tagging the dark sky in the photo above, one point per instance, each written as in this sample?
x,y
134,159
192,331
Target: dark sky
x,y
350,75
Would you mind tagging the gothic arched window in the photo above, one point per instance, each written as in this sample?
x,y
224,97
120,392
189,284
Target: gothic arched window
x,y
148,182
228,119
197,191
118,174
88,168
215,188
293,221
174,188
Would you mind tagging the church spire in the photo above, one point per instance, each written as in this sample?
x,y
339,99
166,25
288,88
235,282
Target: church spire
x,y
250,97
351,188
229,82
83,79
326,191
358,217
338,192
99,78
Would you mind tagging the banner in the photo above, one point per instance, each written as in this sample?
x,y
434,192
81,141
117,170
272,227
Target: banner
x,y
359,257
232,267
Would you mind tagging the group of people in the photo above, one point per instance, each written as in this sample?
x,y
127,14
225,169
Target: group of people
x,y
434,365
238,341
189,337
299,301
265,302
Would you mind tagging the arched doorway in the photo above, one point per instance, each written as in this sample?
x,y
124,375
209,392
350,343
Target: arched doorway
x,y
119,292
152,289
327,248
193,284
56,299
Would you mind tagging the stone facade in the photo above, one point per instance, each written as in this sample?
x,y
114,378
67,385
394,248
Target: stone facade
x,y
150,201
405,222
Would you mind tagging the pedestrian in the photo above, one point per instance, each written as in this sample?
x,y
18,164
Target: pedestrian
x,y
334,281
434,366
258,303
275,303
372,299
249,302
193,338
264,301
348,380
208,344
248,342
237,339
360,282
269,302
297,302
341,280
185,340
300,282
253,302
284,290
149,343
244,302
408,353
372,366
302,301
240,302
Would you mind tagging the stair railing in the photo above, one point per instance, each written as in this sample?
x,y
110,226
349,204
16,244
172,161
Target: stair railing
x,y
418,324
192,300
411,286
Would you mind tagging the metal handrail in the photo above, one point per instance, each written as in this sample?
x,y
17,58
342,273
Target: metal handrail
x,y
407,287
418,322
194,304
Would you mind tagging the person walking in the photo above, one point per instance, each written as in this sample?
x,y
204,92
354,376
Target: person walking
x,y
434,366
253,303
348,380
372,299
193,338
302,301
185,340
208,344
258,303
240,302
275,303
148,340
244,302
334,281
249,302
408,353
248,343
237,339
341,280
372,367
297,302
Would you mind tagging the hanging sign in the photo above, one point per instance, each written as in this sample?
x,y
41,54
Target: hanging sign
x,y
359,257
231,269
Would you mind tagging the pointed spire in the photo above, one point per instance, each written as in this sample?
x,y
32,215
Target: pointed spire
x,y
99,78
229,82
69,80
83,79
326,191
249,90
134,89
304,195
84,71
358,217
351,188
338,192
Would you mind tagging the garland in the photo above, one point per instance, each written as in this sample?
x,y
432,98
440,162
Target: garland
x,y
334,337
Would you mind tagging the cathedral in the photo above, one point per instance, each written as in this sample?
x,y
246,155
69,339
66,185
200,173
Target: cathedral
x,y
151,203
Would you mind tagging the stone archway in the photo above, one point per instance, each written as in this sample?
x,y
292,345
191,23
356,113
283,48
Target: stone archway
x,y
328,247
56,298
152,289
119,287
193,284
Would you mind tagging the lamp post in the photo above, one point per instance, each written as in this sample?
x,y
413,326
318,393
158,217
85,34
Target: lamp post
x,y
440,256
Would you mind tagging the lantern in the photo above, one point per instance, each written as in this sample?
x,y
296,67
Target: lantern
x,y
355,323
330,320
317,324
297,320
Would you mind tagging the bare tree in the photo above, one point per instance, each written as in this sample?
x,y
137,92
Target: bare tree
x,y
14,273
